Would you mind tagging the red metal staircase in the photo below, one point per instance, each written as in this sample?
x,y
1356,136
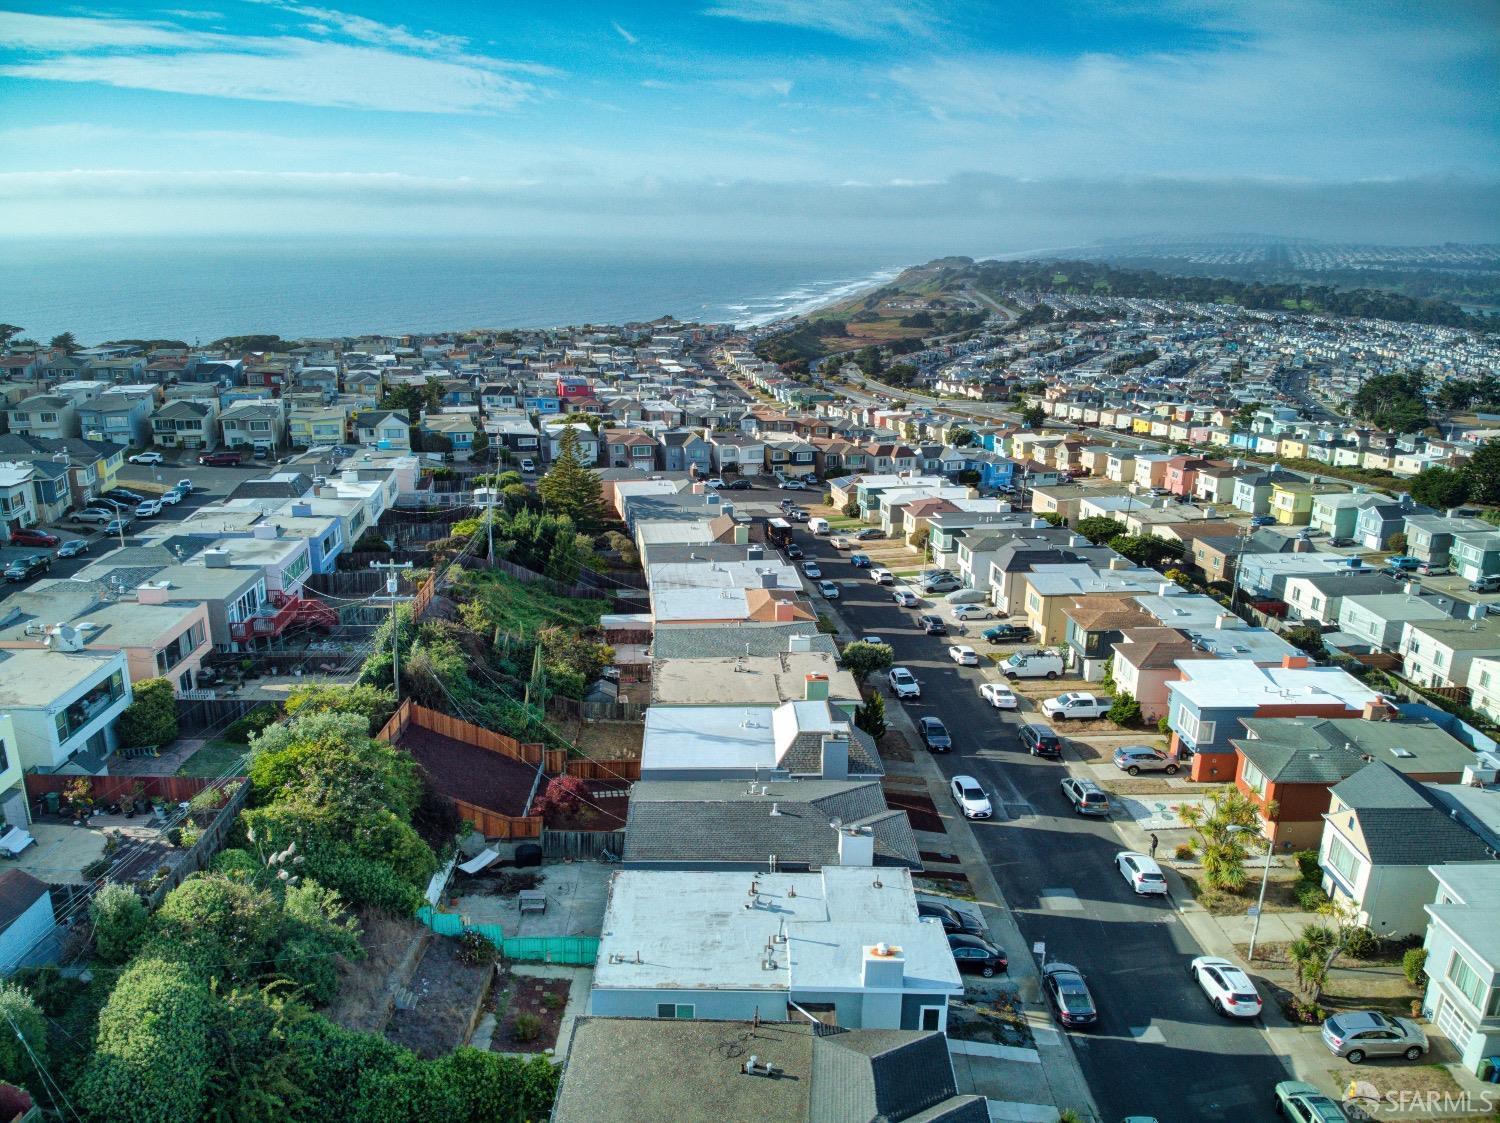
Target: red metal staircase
x,y
281,612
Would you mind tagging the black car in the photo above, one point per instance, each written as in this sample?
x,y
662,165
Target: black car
x,y
1008,633
793,550
738,485
23,569
935,734
1038,740
869,533
1069,995
952,920
933,625
124,495
974,954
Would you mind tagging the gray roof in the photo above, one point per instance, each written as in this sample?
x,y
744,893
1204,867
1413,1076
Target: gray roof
x,y
291,485
728,641
804,756
1403,823
719,821
1314,750
184,407
692,1072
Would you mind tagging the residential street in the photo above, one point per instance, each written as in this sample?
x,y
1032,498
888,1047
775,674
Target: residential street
x,y
1159,1050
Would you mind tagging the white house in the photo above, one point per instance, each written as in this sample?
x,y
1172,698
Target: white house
x,y
1463,958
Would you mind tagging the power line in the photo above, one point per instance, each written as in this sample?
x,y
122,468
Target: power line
x,y
54,1089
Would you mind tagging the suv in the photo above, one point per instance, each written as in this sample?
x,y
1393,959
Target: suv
x,y
220,459
30,536
1136,759
92,515
1488,584
933,625
1007,633
1087,797
23,569
935,735
528,465
1038,740
1303,1103
1369,1033
904,684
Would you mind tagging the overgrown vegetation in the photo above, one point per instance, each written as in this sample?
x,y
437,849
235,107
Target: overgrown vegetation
x,y
151,717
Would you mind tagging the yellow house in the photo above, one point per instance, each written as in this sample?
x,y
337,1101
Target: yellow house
x,y
1046,594
1141,425
1292,448
1292,500
1374,458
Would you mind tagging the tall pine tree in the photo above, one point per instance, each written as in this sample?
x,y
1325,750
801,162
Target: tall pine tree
x,y
572,488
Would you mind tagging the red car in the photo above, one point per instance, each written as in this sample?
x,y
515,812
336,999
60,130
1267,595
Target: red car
x,y
220,459
30,536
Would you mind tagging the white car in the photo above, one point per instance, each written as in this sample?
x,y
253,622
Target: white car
x,y
882,576
148,458
839,542
963,655
148,508
999,695
171,498
185,486
1142,872
971,612
1076,704
1228,988
829,590
716,483
810,568
970,798
793,485
872,639
906,598
904,684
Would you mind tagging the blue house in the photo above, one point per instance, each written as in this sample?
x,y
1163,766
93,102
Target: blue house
x,y
542,403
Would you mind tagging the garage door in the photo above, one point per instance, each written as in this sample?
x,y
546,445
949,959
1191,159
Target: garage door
x,y
1454,1023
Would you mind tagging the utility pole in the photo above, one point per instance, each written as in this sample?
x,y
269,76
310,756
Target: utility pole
x,y
390,590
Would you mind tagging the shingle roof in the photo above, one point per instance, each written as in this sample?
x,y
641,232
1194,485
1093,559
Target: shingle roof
x,y
727,641
18,892
804,756
885,1075
721,821
1402,822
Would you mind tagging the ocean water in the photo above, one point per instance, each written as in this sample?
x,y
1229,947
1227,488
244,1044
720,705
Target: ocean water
x,y
201,289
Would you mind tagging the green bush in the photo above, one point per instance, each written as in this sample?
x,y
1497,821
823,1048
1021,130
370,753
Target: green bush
x,y
1125,711
120,922
1362,943
1414,966
1307,866
240,732
151,717
1310,896
22,1018
526,1028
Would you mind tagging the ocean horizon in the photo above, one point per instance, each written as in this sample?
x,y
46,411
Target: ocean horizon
x,y
198,290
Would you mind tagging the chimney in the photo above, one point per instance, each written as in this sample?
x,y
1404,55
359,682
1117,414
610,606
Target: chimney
x,y
301,510
1226,620
856,846
265,530
836,753
755,553
768,580
1166,589
152,593
815,688
1294,662
1376,709
786,611
741,534
1119,563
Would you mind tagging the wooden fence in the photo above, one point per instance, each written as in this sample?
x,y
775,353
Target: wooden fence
x,y
209,843
588,846
605,769
492,824
107,789
410,713
423,599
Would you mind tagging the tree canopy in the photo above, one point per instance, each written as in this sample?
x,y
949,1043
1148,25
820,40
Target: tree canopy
x,y
572,488
1393,401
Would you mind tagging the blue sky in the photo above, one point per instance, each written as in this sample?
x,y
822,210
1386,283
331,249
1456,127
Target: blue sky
x,y
963,127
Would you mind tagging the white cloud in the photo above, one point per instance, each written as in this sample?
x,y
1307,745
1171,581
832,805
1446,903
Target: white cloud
x,y
625,35
385,68
849,19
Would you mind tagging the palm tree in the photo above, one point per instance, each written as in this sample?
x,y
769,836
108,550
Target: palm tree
x,y
1221,844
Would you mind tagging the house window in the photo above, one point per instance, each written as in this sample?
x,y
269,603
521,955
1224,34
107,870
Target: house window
x,y
260,426
48,417
1255,779
680,1010
1342,859
1463,976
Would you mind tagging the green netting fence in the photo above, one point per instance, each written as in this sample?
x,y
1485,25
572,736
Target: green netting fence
x,y
575,951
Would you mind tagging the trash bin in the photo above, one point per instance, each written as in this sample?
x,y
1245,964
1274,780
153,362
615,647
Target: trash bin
x,y
54,802
1494,1076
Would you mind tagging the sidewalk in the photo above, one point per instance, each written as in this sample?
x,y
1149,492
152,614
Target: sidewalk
x,y
1022,1085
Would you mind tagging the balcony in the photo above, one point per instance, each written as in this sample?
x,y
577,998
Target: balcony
x,y
280,613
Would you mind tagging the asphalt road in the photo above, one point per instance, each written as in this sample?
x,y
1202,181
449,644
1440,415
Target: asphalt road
x,y
1159,1050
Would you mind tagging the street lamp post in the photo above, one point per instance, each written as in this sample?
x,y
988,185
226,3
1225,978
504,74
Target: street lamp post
x,y
1265,876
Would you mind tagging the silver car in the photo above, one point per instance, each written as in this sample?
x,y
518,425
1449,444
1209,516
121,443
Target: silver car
x,y
1369,1033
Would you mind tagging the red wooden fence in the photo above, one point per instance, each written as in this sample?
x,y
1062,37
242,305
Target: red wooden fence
x,y
410,713
605,769
177,789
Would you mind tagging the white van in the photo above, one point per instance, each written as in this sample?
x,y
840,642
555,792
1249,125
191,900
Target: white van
x,y
819,526
1032,664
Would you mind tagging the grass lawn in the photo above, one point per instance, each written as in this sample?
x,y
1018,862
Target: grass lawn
x,y
212,759
527,607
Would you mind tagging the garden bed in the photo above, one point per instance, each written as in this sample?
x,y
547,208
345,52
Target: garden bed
x,y
1000,1021
894,746
444,999
518,999
919,809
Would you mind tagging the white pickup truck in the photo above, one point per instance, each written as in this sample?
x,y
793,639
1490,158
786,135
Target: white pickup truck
x,y
1076,705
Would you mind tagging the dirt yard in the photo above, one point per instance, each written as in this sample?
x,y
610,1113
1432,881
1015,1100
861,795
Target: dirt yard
x,y
997,1021
893,746
516,996
605,740
364,999
470,773
447,994
919,809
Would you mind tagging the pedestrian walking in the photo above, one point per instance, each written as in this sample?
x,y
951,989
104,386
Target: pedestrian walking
x,y
1153,847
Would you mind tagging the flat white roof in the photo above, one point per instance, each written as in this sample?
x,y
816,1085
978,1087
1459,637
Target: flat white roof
x,y
1241,684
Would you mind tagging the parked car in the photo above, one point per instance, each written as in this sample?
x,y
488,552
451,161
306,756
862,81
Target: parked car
x,y
1007,633
798,515
903,683
148,458
1427,569
738,485
124,495
1141,873
263,453
973,953
1341,542
116,526
174,497
1068,995
1076,705
839,542
882,576
970,797
869,533
829,590
999,695
935,734
932,625
1033,664
972,612
793,551
1038,740
1087,797
92,515
1228,988
873,639
184,486
220,459
793,485
1136,759
31,536
1358,1034
1262,520
1403,562
23,569
149,509
1303,1103
963,655
715,483
952,919
904,597
73,547
811,569
1485,584
941,582
859,561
